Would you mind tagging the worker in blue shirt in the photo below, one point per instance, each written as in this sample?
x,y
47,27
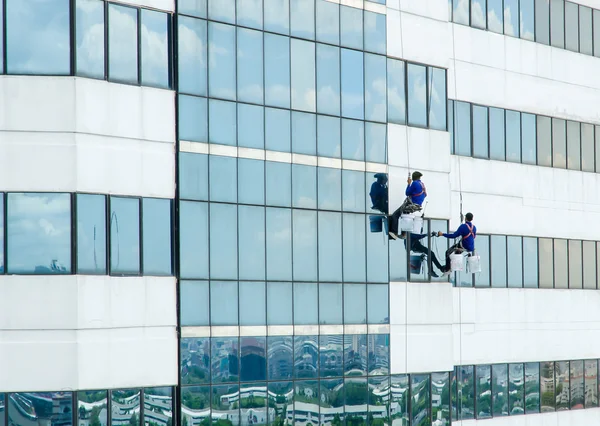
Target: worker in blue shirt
x,y
468,232
415,188
417,247
379,193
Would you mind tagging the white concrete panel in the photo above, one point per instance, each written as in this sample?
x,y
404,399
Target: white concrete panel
x,y
429,303
398,303
398,349
590,416
425,40
434,9
167,5
429,348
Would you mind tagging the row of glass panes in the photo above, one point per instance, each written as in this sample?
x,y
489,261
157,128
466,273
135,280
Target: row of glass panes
x,y
530,262
275,129
95,407
413,399
505,135
557,23
249,303
233,359
239,64
484,391
319,20
59,233
121,43
231,242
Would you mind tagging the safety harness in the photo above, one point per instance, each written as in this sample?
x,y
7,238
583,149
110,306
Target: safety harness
x,y
423,190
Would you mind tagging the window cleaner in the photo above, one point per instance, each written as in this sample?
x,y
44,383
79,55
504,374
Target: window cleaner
x,y
417,247
405,214
454,255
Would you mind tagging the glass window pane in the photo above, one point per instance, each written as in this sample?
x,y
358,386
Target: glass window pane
x,y
222,10
279,244
516,389
532,387
328,22
223,303
330,188
515,262
572,26
221,60
460,13
375,32
573,145
91,233
194,303
462,128
223,178
511,17
253,308
193,119
377,255
306,303
250,65
585,30
328,79
575,264
417,95
306,364
50,408
495,16
193,240
304,133
355,306
122,43
90,405
478,12
124,235
498,261
158,402
530,263
330,246
597,144
480,133
251,181
437,98
223,241
279,303
483,249
354,256
193,176
544,141
548,401
513,136
375,88
353,140
577,390
500,390
528,139
330,304
396,94
542,21
561,379
278,178
304,186
251,132
277,70
303,75
155,48
591,380
280,363
351,27
589,264
277,130
596,32
466,389
302,18
277,16
546,258
557,23
192,7
156,237
352,84
527,22
328,136
376,142
378,304
222,124
250,13
497,134
353,191
225,368
451,124
90,38
587,147
440,397
37,37
305,245
598,259
420,389
251,242
561,266
399,397
483,392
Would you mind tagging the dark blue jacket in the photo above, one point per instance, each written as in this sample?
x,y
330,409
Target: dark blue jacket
x,y
414,238
468,237
416,191
379,196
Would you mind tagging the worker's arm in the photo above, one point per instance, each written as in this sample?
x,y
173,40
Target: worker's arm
x,y
409,189
459,232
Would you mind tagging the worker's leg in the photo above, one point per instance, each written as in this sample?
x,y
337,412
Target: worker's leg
x,y
451,250
420,248
393,223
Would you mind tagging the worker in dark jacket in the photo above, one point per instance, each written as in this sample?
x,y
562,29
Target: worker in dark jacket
x,y
379,193
415,189
468,232
417,247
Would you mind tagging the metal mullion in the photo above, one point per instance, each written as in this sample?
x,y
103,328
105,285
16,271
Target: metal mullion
x,y
5,232
73,37
74,233
106,42
522,265
109,234
139,46
4,68
141,235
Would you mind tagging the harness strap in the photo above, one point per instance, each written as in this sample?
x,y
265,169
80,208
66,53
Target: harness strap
x,y
423,190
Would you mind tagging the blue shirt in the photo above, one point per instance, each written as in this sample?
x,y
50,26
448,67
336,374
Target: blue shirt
x,y
379,196
416,191
468,238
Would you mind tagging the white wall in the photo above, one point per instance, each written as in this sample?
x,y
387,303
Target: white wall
x,y
590,416
87,332
87,135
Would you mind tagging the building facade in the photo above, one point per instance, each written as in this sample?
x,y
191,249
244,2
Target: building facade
x,y
188,235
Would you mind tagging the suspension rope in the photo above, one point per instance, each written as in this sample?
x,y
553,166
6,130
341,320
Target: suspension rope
x,y
457,126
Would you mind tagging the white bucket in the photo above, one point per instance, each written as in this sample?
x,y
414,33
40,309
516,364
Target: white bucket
x,y
456,262
474,264
406,222
417,225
